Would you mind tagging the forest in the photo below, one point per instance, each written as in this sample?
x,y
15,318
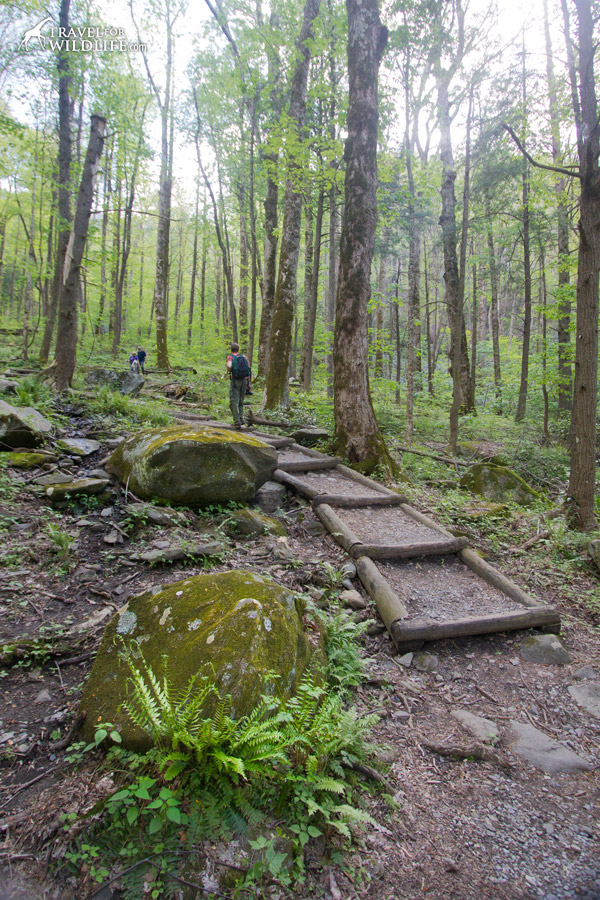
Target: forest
x,y
394,209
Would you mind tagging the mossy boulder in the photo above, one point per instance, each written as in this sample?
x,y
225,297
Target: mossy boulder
x,y
236,627
79,487
22,426
193,465
498,483
127,383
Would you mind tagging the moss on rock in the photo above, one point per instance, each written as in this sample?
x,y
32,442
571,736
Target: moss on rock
x,y
195,466
498,483
251,523
28,460
236,627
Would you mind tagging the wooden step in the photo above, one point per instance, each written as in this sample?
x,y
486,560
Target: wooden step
x,y
407,551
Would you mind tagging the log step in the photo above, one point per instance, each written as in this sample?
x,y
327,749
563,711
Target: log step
x,y
358,502
308,465
405,631
408,551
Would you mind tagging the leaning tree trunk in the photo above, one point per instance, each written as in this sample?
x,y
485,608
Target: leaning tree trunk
x,y
66,338
285,293
580,499
357,434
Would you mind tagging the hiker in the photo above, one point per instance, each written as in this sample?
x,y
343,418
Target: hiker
x,y
134,364
141,355
239,374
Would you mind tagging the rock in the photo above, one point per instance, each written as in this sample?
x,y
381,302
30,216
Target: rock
x,y
236,627
125,382
22,426
426,662
353,600
498,483
374,628
545,649
348,569
79,446
98,473
53,478
44,696
315,528
406,660
594,552
193,465
80,487
483,729
587,696
584,674
8,387
480,510
542,751
310,436
156,515
251,523
174,554
269,496
28,460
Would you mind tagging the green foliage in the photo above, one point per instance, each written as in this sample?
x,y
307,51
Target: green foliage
x,y
345,666
62,540
108,402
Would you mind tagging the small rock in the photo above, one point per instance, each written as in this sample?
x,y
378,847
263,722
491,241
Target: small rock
x,y
81,487
79,446
310,436
44,696
483,729
426,662
588,696
542,751
270,496
54,478
113,537
99,473
353,600
584,674
348,569
107,512
252,523
406,660
545,649
374,629
315,528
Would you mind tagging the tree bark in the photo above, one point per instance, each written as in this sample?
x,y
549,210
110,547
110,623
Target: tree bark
x,y
494,315
357,434
522,400
65,114
310,309
580,499
285,292
66,338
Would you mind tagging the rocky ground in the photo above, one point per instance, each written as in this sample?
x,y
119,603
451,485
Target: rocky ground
x,y
493,751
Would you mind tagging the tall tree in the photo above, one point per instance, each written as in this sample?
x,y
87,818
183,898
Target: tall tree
x,y
285,293
66,338
357,435
522,400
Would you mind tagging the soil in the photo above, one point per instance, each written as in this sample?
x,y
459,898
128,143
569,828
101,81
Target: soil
x,y
381,525
452,822
336,483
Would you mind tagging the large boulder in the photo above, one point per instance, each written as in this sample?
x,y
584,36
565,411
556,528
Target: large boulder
x,y
193,465
22,426
126,382
235,627
498,483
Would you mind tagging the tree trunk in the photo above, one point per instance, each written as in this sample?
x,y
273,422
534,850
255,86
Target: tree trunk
x,y
357,434
285,292
66,338
65,112
580,499
194,268
310,309
522,401
494,315
565,375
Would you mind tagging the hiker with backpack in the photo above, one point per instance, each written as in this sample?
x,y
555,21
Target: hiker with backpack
x,y
239,374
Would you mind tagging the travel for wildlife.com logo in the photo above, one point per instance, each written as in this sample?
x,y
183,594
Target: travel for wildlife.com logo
x,y
78,38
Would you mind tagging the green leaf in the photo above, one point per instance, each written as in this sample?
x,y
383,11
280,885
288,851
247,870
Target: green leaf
x,y
116,737
313,831
100,735
174,814
120,795
155,825
132,814
142,794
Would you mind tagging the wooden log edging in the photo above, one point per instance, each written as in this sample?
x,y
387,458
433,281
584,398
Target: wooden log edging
x,y
337,528
309,465
390,606
408,632
409,551
345,502
291,481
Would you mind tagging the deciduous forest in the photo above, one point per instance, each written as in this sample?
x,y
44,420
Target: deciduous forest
x,y
394,209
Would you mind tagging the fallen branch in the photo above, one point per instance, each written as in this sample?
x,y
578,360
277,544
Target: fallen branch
x,y
444,459
538,537
255,420
66,741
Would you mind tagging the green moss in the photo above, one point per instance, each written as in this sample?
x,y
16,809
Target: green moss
x,y
28,460
236,627
252,523
196,466
498,483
